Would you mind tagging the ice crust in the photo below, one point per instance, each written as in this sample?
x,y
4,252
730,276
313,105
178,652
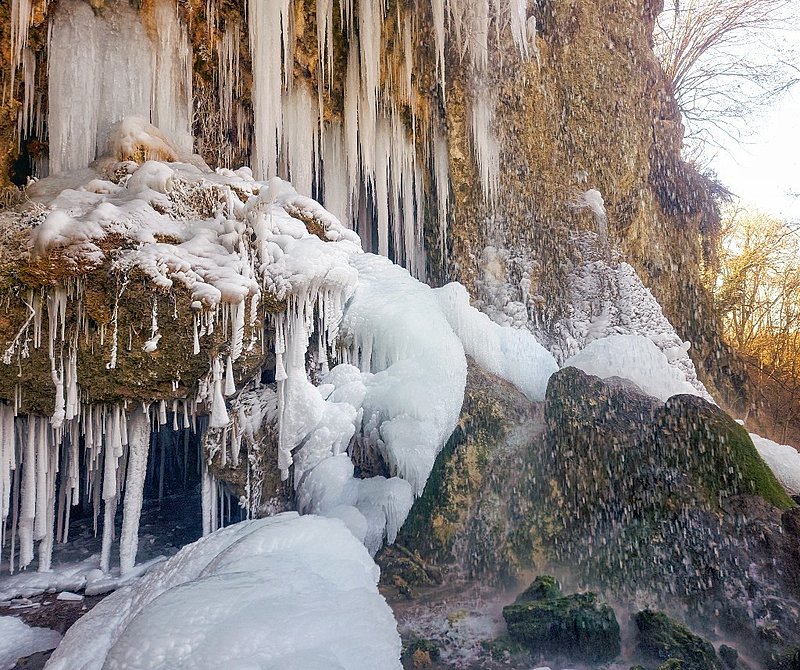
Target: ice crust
x,y
277,593
18,640
636,358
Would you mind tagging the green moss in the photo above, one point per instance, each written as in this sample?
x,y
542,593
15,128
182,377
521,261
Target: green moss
x,y
673,664
421,644
666,638
503,647
733,464
577,626
544,587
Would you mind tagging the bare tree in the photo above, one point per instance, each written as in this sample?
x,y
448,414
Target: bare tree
x,y
756,289
726,60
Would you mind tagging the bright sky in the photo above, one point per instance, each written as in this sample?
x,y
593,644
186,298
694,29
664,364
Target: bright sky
x,y
764,169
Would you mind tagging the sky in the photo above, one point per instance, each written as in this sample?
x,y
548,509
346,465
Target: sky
x,y
763,169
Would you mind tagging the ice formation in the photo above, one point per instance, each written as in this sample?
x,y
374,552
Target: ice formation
x,y
635,358
139,76
284,592
18,640
511,353
783,460
390,369
606,297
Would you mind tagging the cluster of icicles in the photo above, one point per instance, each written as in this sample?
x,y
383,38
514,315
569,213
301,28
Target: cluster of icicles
x,y
41,457
363,162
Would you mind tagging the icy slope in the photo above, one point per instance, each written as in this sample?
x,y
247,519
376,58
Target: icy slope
x,y
282,593
783,460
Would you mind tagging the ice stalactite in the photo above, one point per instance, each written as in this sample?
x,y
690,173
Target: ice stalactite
x,y
172,76
373,142
269,40
485,146
139,444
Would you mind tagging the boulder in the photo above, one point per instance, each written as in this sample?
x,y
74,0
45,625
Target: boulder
x,y
577,626
667,639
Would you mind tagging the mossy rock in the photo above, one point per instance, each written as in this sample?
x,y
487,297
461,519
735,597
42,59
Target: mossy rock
x,y
576,626
734,465
665,638
786,660
544,587
417,645
673,664
729,656
503,648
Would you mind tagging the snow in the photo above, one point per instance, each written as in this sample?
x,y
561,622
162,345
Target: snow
x,y
635,358
511,353
783,460
283,592
18,640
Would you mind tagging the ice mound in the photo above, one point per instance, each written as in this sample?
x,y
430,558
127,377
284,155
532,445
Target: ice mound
x,y
783,460
287,592
636,358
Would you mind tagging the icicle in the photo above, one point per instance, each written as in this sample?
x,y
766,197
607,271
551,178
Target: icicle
x,y
230,384
441,172
336,198
152,344
162,413
85,98
28,506
196,347
42,463
219,413
269,42
113,450
208,510
139,440
46,545
228,64
484,143
518,9
7,464
437,7
237,334
300,137
172,76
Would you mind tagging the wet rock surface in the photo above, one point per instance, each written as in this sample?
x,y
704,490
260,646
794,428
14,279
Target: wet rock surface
x,y
578,626
666,638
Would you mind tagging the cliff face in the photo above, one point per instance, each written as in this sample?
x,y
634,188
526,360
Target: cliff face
x,y
585,108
